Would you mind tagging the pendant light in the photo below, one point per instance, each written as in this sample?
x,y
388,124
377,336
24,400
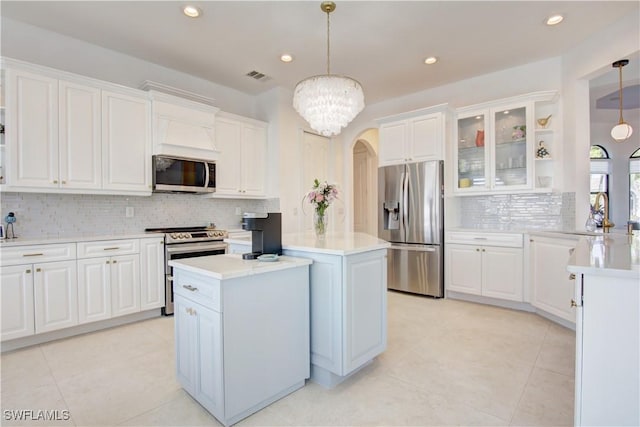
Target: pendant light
x,y
622,131
328,102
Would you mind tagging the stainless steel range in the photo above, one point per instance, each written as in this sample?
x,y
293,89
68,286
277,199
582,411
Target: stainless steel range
x,y
187,242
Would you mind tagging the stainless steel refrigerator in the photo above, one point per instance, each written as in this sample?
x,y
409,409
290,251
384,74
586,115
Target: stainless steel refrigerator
x,y
411,217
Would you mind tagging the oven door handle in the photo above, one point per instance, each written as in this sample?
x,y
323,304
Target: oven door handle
x,y
186,248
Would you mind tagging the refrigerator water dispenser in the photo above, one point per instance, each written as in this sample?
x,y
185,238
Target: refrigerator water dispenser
x,y
391,215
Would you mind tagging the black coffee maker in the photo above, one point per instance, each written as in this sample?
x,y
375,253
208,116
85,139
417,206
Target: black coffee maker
x,y
266,233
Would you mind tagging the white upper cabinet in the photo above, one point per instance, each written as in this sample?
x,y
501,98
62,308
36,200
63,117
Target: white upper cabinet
x,y
32,129
126,142
413,137
80,139
68,133
241,166
495,146
183,128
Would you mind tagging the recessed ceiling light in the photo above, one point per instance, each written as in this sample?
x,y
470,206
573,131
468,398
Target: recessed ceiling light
x,y
506,111
478,117
431,60
286,58
191,11
555,19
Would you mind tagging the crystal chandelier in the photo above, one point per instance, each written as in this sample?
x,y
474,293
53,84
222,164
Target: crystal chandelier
x,y
622,131
328,102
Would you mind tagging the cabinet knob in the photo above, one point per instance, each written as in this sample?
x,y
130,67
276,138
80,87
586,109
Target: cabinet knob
x,y
574,303
114,261
477,249
64,182
28,271
531,240
571,251
572,276
55,181
108,262
483,250
38,270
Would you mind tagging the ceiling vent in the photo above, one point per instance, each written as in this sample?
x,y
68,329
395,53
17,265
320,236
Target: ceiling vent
x,y
257,75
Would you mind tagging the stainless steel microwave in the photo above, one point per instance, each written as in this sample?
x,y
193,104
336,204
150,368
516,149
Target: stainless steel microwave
x,y
183,175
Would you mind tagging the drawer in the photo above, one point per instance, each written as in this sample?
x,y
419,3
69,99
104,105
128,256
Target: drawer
x,y
198,288
509,240
102,248
34,254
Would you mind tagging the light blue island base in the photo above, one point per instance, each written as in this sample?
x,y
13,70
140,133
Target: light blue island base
x,y
242,331
348,300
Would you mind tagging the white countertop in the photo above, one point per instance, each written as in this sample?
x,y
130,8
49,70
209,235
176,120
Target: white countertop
x,y
72,239
229,266
614,255
333,243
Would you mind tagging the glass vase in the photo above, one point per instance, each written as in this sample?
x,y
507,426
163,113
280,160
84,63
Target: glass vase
x,y
320,225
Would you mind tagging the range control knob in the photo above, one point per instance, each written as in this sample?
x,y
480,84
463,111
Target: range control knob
x,y
211,233
174,235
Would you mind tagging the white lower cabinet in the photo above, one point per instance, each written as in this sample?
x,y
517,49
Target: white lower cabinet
x,y
55,289
55,286
38,296
17,301
108,286
485,264
94,290
552,287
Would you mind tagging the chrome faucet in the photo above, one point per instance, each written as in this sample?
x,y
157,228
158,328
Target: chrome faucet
x,y
606,224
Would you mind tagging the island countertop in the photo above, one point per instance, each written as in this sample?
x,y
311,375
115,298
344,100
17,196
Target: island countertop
x,y
229,266
334,243
614,255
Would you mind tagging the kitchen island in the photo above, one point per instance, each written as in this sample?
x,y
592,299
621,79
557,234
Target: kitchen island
x,y
348,281
607,299
241,331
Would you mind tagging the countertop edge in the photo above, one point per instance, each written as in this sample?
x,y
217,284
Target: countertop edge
x,y
9,243
254,267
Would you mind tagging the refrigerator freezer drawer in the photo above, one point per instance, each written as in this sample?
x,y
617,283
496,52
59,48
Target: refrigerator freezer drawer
x,y
417,269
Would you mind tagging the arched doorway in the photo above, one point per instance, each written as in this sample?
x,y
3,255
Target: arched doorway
x,y
365,188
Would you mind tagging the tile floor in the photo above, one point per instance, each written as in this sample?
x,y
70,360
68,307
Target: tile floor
x,y
448,363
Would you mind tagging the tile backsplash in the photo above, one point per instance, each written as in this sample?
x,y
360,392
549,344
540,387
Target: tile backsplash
x,y
62,215
540,211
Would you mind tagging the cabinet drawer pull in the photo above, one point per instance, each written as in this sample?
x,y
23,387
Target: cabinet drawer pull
x,y
190,288
32,254
479,238
572,276
112,248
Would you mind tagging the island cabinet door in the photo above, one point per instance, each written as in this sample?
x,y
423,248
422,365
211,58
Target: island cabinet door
x,y
365,308
325,284
209,377
186,339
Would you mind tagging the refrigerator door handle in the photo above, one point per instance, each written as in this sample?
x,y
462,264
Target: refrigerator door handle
x,y
413,248
405,203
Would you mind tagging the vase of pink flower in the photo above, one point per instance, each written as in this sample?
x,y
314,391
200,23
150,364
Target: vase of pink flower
x,y
321,196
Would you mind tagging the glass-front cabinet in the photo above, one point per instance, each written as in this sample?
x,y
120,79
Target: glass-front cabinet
x,y
493,150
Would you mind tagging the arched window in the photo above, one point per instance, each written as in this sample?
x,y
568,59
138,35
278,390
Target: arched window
x,y
599,180
634,186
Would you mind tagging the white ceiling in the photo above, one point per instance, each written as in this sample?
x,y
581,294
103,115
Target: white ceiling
x,y
382,44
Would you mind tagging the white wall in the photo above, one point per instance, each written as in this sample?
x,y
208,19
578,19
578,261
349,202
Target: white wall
x,y
588,60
